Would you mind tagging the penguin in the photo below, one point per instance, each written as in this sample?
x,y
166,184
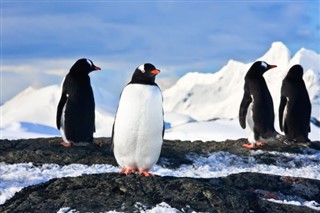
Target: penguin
x,y
256,109
138,128
75,112
295,106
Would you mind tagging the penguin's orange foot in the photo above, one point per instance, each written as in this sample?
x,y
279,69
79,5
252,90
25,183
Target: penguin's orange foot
x,y
260,144
249,146
252,145
145,173
65,144
127,171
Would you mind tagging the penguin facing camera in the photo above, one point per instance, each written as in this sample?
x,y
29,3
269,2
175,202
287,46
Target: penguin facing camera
x,y
75,112
256,111
138,128
295,106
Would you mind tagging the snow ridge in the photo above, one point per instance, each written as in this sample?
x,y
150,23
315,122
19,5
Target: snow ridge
x,y
218,95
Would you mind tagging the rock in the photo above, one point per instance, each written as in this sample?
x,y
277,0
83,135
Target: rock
x,y
244,192
49,150
106,192
173,154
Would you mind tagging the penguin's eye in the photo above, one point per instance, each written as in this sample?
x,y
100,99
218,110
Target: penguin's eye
x,y
90,62
264,64
141,68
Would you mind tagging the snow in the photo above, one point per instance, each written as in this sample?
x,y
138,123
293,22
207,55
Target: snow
x,y
66,209
206,96
175,119
16,176
222,164
311,204
35,106
159,208
218,130
17,130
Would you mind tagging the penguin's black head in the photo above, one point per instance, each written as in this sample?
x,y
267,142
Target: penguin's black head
x,y
145,74
259,68
295,72
83,67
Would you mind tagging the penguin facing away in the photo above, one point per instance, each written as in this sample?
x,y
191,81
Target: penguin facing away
x,y
75,112
138,128
295,106
256,111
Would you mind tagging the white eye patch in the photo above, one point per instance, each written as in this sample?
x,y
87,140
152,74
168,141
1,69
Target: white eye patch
x,y
141,68
263,64
90,62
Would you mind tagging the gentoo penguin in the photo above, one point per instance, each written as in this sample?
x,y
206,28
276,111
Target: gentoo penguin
x,y
295,106
138,127
75,111
256,108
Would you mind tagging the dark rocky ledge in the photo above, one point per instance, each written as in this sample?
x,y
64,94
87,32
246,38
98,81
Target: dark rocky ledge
x,y
244,192
48,150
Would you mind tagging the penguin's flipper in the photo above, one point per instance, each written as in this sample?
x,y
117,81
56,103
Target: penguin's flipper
x,y
114,122
61,104
112,135
282,105
163,127
246,100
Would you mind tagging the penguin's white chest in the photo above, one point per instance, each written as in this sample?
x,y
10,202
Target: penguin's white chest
x,y
249,117
250,123
285,113
138,127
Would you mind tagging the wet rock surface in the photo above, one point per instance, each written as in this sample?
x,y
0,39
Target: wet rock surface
x,y
244,192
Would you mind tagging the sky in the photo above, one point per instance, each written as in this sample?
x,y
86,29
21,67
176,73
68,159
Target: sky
x,y
41,40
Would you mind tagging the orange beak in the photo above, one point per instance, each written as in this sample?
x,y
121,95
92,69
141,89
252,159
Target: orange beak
x,y
272,66
155,72
97,68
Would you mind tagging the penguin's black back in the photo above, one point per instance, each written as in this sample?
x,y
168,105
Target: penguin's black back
x,y
263,111
77,102
79,112
295,94
256,90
